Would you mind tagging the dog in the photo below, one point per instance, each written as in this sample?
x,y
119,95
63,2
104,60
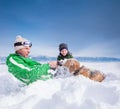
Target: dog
x,y
76,68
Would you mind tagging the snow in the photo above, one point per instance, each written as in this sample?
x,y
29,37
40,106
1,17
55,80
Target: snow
x,y
63,93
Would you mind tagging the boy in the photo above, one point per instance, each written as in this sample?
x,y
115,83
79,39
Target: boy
x,y
64,53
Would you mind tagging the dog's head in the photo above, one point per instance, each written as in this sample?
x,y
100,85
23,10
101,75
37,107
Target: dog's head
x,y
72,65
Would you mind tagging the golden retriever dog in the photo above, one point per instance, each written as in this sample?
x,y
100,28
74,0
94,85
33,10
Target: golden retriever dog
x,y
74,67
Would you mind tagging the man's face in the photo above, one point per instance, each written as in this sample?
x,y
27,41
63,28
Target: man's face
x,y
24,51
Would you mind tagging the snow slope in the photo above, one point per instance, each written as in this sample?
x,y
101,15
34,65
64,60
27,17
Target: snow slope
x,y
63,93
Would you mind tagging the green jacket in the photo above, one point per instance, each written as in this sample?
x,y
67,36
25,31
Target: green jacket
x,y
26,69
61,57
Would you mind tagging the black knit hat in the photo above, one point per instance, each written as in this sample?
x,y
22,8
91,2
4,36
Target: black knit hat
x,y
63,46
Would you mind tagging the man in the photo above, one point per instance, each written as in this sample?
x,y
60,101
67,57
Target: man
x,y
24,68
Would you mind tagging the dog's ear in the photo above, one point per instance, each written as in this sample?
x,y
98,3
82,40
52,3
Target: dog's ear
x,y
77,64
67,63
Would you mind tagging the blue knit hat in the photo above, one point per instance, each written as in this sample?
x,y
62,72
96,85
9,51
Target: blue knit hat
x,y
63,46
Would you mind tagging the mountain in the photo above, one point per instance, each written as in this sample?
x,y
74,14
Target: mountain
x,y
98,59
2,60
81,59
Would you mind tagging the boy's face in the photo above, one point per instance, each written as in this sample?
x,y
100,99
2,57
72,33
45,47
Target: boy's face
x,y
64,52
24,51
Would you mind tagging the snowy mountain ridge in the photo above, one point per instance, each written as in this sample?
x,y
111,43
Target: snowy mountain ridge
x,y
81,59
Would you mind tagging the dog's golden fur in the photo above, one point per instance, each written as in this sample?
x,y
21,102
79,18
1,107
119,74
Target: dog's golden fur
x,y
74,67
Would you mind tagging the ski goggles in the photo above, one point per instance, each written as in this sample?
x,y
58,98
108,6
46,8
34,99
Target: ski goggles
x,y
26,43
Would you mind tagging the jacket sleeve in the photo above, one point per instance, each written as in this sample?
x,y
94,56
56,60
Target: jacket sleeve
x,y
27,71
70,56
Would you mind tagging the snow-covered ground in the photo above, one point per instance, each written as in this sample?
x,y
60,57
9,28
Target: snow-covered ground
x,y
63,93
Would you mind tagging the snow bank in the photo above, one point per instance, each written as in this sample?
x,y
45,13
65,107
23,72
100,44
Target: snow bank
x,y
67,93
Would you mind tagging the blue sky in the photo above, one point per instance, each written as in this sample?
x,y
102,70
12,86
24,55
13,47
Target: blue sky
x,y
89,27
